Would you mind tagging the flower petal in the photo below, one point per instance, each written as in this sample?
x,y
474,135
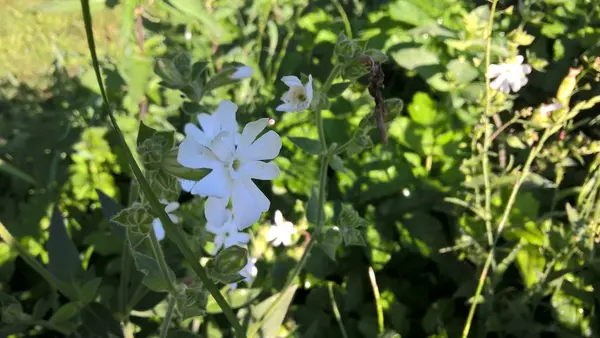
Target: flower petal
x,y
191,130
285,107
494,71
309,90
158,229
519,59
215,211
209,125
526,69
279,218
291,81
223,146
251,131
216,184
186,185
242,73
171,207
259,170
265,148
248,203
191,154
225,117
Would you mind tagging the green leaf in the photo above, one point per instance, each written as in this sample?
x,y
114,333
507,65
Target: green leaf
x,y
422,109
153,278
531,264
330,242
16,172
338,89
88,292
414,57
336,163
515,142
389,334
111,208
235,298
137,70
462,71
193,302
180,333
408,12
65,312
351,226
272,324
99,322
309,145
63,256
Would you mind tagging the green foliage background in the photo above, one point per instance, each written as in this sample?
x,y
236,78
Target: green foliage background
x,y
426,239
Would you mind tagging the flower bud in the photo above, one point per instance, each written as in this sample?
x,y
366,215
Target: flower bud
x,y
345,50
567,86
171,165
151,152
394,108
231,260
355,69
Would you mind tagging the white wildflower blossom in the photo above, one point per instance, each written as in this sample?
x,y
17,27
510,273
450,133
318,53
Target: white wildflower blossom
x,y
226,234
157,224
281,232
242,72
235,160
509,76
298,97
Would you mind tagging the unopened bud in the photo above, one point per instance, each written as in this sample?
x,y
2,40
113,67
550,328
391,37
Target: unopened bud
x,y
231,260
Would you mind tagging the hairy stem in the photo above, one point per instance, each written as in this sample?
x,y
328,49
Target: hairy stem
x,y
167,320
336,311
173,231
377,299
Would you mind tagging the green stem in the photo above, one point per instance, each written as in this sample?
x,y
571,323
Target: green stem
x,y
336,311
511,201
488,102
162,263
172,231
34,264
377,299
126,261
321,204
347,25
167,320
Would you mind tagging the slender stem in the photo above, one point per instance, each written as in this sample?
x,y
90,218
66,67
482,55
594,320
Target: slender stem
x,y
167,320
511,201
347,25
34,264
126,261
377,299
336,311
174,232
160,258
487,128
321,204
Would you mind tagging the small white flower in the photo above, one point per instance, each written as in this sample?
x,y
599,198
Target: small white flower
x,y
547,109
249,272
298,97
226,234
512,75
242,73
281,232
235,161
157,224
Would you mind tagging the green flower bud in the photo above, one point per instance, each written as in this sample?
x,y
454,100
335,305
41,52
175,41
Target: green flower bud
x,y
134,216
231,260
355,69
394,108
345,50
151,152
171,165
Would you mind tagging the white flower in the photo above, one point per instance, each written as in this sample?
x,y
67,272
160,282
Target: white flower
x,y
242,73
249,272
509,75
226,234
281,232
547,109
235,161
157,224
298,97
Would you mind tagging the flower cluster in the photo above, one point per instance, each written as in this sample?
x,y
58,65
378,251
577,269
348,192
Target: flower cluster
x,y
236,159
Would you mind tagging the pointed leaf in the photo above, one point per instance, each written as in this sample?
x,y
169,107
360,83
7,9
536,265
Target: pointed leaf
x,y
110,208
99,322
309,145
272,324
63,256
235,298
